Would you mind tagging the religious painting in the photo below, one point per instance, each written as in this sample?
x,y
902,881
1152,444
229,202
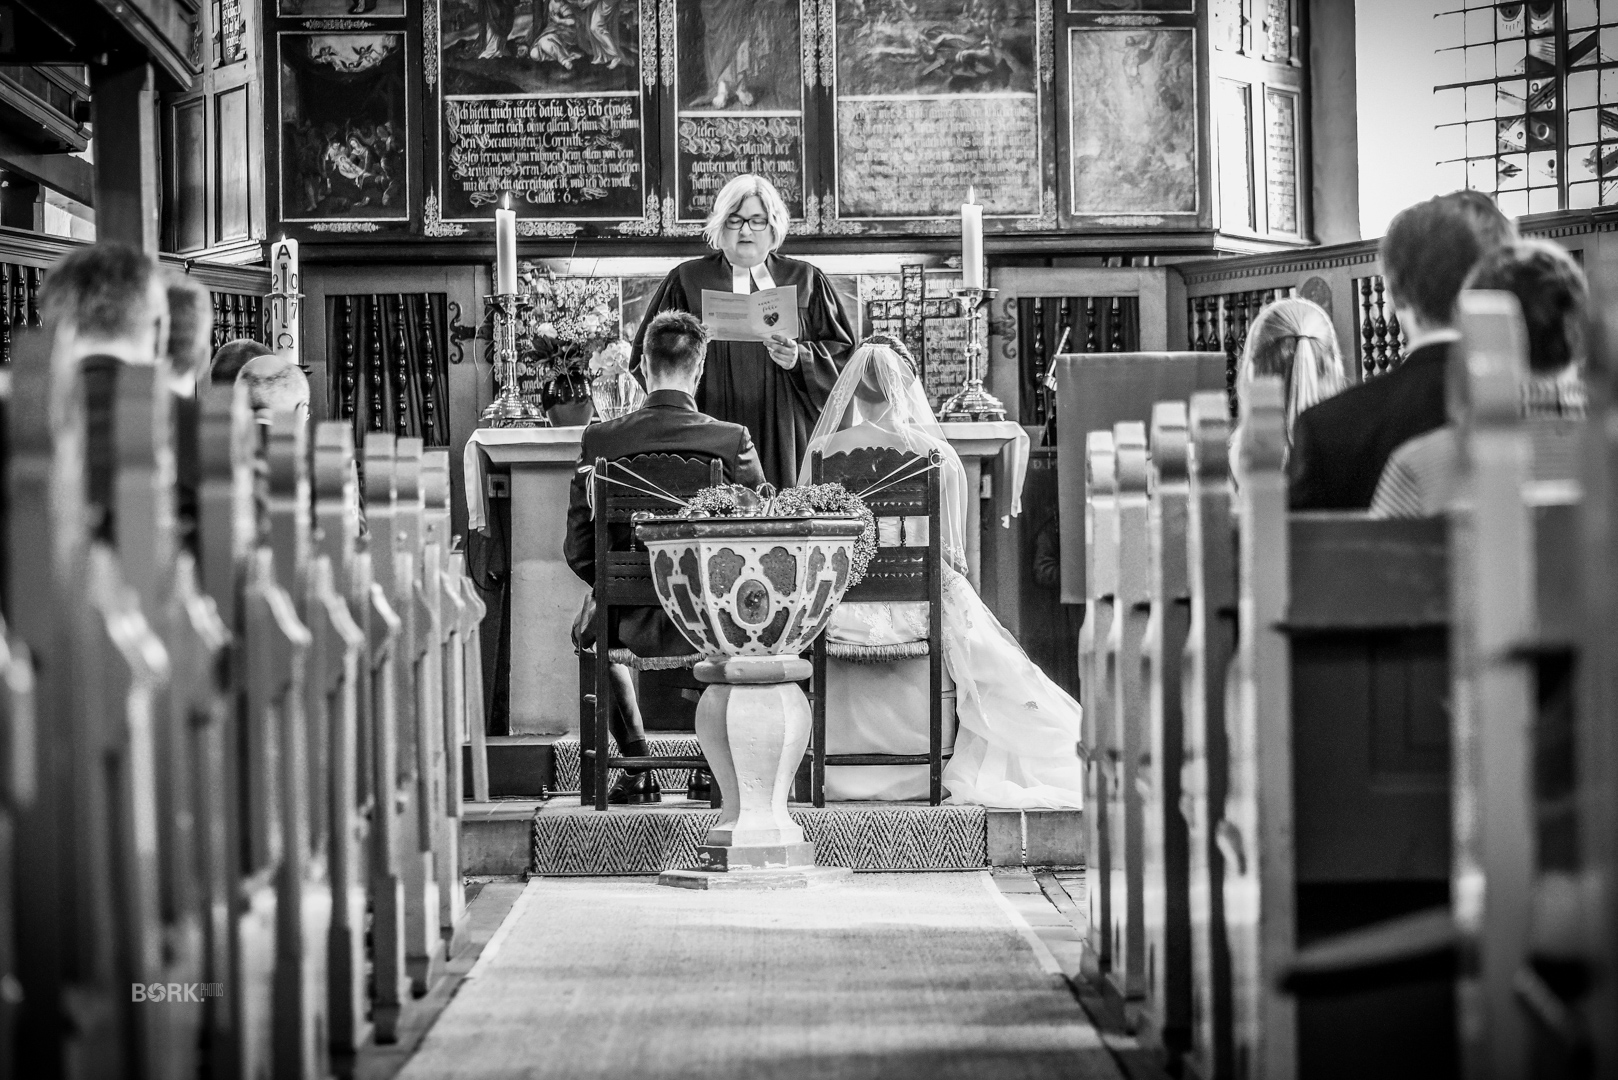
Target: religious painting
x,y
541,99
324,9
1281,160
739,82
343,127
935,97
1133,135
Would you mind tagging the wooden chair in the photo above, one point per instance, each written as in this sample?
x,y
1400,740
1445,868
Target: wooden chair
x,y
1101,564
624,579
909,488
1167,1013
1126,692
1210,645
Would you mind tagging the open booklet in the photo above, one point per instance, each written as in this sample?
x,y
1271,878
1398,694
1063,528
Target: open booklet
x,y
751,316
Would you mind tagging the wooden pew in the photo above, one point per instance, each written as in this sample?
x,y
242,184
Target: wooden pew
x,y
472,720
1493,601
89,922
1167,1014
1597,695
438,582
19,787
242,1023
1100,509
393,511
1210,645
363,863
194,708
1342,649
1126,693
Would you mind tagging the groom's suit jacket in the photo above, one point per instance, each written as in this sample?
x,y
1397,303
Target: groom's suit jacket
x,y
668,423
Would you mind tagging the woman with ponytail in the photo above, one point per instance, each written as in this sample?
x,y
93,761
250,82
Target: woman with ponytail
x,y
1295,340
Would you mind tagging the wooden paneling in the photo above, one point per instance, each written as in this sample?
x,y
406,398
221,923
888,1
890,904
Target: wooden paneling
x,y
187,196
233,143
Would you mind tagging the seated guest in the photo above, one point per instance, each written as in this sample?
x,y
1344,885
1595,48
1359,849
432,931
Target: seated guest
x,y
1340,445
1293,339
112,300
232,357
1421,477
675,345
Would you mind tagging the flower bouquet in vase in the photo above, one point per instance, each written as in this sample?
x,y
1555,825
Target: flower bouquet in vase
x,y
573,319
616,390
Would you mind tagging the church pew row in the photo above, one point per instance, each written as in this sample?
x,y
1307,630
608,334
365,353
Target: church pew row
x,y
1290,691
228,815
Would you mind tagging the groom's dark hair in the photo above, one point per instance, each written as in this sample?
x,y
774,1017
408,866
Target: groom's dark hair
x,y
676,342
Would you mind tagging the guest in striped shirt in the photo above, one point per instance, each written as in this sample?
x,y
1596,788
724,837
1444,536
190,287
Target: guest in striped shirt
x,y
1421,477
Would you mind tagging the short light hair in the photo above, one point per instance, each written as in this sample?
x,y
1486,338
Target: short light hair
x,y
731,197
108,290
676,342
274,384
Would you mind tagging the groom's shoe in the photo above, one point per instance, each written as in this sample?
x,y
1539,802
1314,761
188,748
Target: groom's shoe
x,y
700,787
635,787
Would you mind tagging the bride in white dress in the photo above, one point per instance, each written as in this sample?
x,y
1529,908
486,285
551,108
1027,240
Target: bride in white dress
x,y
1016,731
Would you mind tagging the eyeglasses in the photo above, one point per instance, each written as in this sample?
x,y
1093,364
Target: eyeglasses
x,y
756,224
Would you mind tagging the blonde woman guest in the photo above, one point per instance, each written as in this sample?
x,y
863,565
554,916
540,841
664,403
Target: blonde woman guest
x,y
774,388
1294,339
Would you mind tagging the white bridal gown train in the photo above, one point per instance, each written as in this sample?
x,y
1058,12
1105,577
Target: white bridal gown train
x,y
1015,732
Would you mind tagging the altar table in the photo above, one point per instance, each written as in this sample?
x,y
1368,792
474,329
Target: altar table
x,y
545,594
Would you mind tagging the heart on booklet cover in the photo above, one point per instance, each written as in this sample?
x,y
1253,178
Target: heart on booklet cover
x,y
772,318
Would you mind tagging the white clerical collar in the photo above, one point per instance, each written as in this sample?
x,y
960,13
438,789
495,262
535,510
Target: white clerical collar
x,y
1441,336
760,274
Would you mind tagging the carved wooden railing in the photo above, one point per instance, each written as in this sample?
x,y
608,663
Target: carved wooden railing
x,y
1222,296
1048,325
25,258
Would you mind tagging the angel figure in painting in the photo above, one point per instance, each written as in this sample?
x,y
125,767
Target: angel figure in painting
x,y
1016,730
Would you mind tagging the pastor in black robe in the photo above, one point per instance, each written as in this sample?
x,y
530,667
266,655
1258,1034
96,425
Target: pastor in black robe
x,y
741,384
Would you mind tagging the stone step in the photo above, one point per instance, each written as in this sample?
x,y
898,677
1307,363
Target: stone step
x,y
673,781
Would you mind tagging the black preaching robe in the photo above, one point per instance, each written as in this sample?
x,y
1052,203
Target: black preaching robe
x,y
741,384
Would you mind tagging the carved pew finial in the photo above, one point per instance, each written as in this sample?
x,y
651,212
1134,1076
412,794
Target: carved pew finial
x,y
1168,441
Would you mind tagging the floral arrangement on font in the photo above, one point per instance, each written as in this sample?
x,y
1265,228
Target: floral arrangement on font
x,y
811,500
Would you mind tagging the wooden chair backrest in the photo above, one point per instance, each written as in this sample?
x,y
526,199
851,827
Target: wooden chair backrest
x,y
1094,392
910,488
623,576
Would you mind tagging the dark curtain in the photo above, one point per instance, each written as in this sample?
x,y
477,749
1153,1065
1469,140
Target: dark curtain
x,y
387,369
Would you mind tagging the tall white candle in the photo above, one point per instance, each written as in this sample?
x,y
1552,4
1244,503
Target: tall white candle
x,y
286,283
971,241
505,251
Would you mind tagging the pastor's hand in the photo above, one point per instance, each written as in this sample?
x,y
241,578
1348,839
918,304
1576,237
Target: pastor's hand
x,y
783,350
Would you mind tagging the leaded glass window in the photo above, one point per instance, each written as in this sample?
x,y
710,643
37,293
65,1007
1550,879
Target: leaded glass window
x,y
1535,107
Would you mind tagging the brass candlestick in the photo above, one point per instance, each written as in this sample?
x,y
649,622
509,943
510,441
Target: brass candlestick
x,y
973,402
509,408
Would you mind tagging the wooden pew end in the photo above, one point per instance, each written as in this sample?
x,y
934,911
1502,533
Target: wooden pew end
x,y
1420,947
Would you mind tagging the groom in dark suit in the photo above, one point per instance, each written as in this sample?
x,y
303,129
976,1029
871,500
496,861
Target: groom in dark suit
x,y
1340,445
676,344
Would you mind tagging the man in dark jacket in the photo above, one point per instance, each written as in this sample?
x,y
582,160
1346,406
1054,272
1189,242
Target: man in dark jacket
x,y
676,344
1340,445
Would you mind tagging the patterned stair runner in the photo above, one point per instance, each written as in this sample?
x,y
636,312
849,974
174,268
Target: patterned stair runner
x,y
574,840
670,780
